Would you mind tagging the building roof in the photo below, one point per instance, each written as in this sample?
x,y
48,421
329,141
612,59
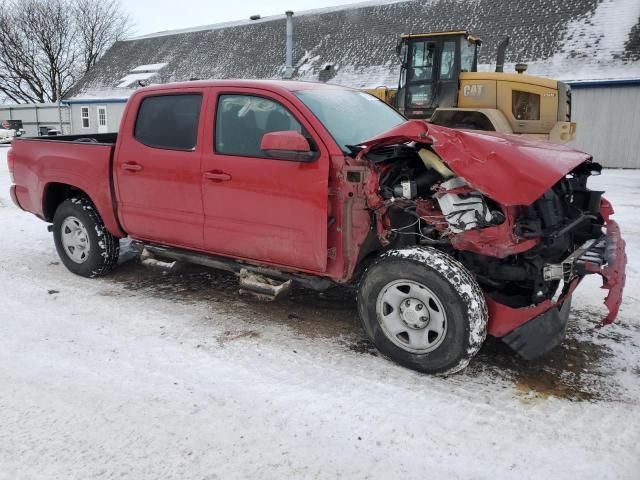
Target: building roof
x,y
354,45
279,86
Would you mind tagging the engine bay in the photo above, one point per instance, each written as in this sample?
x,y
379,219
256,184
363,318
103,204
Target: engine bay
x,y
507,247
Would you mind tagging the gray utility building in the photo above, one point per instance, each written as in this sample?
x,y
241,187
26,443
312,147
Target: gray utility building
x,y
594,45
37,117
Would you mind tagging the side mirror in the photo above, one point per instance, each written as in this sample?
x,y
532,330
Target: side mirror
x,y
287,145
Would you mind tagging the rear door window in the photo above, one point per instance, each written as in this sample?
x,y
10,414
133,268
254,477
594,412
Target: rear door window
x,y
468,56
447,62
169,121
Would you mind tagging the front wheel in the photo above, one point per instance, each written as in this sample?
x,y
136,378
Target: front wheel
x,y
423,309
84,245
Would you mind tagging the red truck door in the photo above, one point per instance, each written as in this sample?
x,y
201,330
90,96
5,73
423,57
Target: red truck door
x,y
258,207
157,168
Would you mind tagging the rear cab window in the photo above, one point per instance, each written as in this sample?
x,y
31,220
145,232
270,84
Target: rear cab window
x,y
169,121
525,105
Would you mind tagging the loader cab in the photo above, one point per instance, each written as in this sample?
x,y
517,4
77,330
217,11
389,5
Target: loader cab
x,y
430,69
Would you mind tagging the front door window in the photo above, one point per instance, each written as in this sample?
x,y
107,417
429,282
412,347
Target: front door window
x,y
420,74
242,121
422,60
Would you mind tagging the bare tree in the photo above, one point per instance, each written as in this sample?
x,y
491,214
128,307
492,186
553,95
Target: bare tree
x,y
20,76
99,24
46,45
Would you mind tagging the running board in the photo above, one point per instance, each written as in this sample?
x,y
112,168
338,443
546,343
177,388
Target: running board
x,y
148,259
235,266
261,287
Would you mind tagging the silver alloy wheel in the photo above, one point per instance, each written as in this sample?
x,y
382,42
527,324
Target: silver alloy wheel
x,y
75,239
411,316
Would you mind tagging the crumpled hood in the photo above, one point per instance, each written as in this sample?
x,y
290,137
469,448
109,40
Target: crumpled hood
x,y
510,169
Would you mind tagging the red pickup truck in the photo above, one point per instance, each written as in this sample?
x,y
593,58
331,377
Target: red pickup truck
x,y
447,235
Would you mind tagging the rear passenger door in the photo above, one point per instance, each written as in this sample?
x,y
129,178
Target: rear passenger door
x,y
157,168
257,207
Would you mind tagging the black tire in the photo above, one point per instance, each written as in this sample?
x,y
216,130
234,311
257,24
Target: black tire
x,y
103,248
464,316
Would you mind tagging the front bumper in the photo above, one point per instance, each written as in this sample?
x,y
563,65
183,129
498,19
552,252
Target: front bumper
x,y
613,273
534,330
606,257
542,333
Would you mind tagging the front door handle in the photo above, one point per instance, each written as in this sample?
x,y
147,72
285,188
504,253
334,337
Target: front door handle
x,y
131,167
217,176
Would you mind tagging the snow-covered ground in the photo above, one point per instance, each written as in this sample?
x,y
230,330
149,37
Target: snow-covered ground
x,y
148,375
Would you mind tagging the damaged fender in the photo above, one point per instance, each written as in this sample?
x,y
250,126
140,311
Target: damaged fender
x,y
507,168
514,172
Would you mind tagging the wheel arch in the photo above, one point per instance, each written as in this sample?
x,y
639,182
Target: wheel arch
x,y
54,193
483,119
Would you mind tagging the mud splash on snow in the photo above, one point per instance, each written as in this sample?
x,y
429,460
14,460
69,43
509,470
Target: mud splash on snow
x,y
573,371
313,314
229,336
363,346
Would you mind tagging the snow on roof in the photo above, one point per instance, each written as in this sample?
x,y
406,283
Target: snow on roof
x,y
595,46
152,67
133,78
270,18
575,40
95,94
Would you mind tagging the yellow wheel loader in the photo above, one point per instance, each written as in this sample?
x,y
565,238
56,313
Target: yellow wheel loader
x,y
440,82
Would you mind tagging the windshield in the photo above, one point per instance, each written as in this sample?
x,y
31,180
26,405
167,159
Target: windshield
x,y
350,117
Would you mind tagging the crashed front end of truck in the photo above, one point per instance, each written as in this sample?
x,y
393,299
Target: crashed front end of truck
x,y
518,214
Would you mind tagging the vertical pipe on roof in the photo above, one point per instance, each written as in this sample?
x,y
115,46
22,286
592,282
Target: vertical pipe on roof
x,y
288,71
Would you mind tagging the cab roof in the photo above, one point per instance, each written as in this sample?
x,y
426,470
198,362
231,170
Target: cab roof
x,y
463,33
272,85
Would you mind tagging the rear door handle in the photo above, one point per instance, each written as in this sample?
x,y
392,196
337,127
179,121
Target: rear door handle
x,y
131,167
217,176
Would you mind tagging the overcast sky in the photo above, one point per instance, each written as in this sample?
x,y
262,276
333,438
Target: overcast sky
x,y
156,15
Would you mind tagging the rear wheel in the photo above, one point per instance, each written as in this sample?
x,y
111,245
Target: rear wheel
x,y
423,309
83,243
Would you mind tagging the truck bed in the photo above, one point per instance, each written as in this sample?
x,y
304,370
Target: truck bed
x,y
46,165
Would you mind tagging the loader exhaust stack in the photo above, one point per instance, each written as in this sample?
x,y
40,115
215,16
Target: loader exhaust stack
x,y
502,48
